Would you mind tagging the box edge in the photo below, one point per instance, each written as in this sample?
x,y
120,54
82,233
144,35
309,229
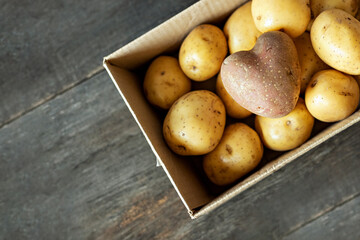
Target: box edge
x,y
279,163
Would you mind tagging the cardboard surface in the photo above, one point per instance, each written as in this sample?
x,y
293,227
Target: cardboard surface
x,y
169,35
183,173
280,162
180,170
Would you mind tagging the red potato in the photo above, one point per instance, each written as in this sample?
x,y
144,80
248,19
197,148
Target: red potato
x,y
233,109
266,79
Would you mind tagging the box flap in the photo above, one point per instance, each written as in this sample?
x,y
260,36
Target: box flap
x,y
169,35
180,170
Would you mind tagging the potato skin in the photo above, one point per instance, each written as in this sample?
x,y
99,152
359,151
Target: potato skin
x,y
332,96
335,35
292,16
195,123
357,78
265,80
288,132
310,62
239,151
233,109
308,28
165,82
240,29
202,52
318,6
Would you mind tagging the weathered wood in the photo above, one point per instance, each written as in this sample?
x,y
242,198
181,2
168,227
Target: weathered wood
x,y
341,223
74,164
299,193
49,46
78,167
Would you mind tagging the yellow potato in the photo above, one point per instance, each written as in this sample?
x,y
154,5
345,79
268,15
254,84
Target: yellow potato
x,y
239,151
335,36
195,123
285,133
357,78
318,6
165,82
308,28
292,16
240,29
202,52
331,95
233,109
310,62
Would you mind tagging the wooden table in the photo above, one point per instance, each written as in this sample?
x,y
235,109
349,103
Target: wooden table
x,y
74,164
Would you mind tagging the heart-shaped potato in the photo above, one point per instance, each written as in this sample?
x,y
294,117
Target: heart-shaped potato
x,y
266,79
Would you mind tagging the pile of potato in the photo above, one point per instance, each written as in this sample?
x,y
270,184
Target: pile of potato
x,y
290,62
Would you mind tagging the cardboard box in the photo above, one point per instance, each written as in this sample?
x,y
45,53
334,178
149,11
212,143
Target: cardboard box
x,y
126,69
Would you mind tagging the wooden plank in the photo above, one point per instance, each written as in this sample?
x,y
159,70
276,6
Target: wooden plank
x,y
299,193
341,223
74,164
78,167
50,46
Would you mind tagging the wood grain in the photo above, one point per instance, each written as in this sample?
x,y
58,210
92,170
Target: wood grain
x,y
50,46
306,189
78,167
339,223
74,164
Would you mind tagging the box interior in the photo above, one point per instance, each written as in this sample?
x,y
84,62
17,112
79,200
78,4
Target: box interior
x,y
127,67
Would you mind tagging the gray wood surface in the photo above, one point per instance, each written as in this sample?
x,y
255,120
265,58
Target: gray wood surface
x,y
48,47
74,164
340,223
